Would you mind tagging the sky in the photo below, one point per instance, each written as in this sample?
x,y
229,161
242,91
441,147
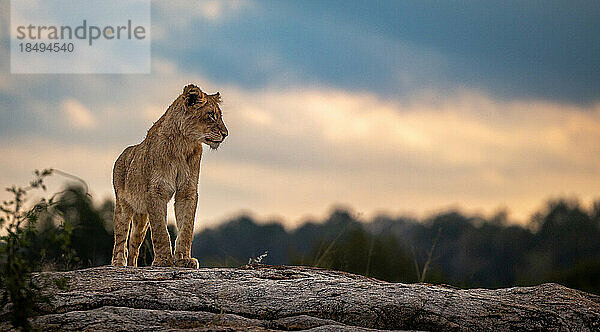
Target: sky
x,y
396,107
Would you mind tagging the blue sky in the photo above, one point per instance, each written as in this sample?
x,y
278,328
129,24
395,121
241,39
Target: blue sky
x,y
386,106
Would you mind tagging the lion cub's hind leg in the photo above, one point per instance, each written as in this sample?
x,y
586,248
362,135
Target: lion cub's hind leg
x,y
138,233
122,219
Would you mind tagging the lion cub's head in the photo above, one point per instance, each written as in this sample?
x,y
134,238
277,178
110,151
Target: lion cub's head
x,y
203,119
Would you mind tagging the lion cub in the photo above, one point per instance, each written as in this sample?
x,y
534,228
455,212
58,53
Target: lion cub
x,y
166,163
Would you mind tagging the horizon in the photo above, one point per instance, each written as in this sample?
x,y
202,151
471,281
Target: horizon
x,y
319,217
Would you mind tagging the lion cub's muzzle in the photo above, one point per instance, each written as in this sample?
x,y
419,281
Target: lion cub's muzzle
x,y
215,140
220,139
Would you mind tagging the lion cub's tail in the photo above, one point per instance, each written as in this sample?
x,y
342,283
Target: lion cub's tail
x,y
120,168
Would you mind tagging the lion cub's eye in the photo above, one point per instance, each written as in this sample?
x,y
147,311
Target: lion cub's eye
x,y
212,116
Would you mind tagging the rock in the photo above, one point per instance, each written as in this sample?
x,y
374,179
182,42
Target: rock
x,y
261,297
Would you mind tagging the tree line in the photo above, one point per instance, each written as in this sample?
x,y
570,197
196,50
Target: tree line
x,y
561,243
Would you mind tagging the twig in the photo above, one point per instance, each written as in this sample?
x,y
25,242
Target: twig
x,y
319,259
429,255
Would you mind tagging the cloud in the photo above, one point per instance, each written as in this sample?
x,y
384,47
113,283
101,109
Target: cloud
x,y
163,66
77,115
481,44
297,151
320,147
178,15
464,130
394,48
214,10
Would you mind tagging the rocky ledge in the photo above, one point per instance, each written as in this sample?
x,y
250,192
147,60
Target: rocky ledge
x,y
262,297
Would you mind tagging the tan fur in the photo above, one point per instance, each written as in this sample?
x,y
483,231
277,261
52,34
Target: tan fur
x,y
166,163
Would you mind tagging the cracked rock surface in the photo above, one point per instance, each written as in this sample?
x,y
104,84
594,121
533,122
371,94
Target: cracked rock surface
x,y
261,297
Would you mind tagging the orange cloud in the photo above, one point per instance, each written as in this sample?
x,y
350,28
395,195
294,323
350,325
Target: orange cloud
x,y
77,115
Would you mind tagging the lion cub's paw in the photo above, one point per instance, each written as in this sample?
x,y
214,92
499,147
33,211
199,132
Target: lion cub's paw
x,y
119,260
163,262
187,262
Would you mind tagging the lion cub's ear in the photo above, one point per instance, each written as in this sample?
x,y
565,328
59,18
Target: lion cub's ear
x,y
193,95
217,97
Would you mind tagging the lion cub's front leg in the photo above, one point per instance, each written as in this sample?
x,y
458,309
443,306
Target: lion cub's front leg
x,y
185,210
157,213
